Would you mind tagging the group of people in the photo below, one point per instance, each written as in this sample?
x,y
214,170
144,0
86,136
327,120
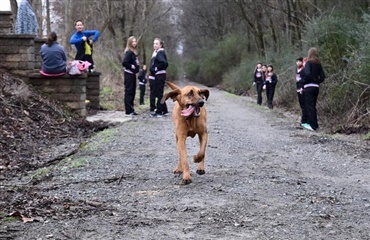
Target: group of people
x,y
54,59
53,55
265,79
308,76
157,77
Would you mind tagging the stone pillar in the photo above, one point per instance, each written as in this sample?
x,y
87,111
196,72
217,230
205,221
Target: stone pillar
x,y
69,90
93,90
17,53
38,60
6,19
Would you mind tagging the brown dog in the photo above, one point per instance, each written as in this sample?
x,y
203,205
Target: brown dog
x,y
190,119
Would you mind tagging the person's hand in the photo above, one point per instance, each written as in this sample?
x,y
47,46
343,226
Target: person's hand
x,y
264,87
91,42
254,83
84,38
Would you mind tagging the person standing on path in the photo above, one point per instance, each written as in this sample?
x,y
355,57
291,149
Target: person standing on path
x,y
142,83
158,69
270,84
26,19
314,76
83,44
131,68
259,78
299,78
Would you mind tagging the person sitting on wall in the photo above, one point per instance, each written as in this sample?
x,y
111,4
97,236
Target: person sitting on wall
x,y
54,59
26,19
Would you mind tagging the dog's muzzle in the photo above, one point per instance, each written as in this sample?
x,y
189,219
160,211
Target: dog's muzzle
x,y
193,109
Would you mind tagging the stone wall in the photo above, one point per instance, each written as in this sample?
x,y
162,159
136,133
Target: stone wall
x,y
69,90
93,91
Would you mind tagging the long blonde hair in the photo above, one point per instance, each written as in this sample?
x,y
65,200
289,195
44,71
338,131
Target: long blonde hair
x,y
313,55
129,44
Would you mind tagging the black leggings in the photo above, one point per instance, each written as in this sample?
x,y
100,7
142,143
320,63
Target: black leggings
x,y
130,90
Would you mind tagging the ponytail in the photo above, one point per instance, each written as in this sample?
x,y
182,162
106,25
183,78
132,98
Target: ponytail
x,y
52,37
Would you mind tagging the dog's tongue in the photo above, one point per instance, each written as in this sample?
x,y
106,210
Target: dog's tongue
x,y
187,112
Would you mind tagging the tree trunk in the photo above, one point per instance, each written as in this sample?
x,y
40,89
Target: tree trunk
x,y
48,24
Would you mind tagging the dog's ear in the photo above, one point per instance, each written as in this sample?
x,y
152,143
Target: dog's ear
x,y
173,94
204,93
172,85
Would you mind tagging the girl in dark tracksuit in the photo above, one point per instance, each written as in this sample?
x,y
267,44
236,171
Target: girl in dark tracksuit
x,y
259,78
270,84
158,69
131,68
142,82
314,75
299,78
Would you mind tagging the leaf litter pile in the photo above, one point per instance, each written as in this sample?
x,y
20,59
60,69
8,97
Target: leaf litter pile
x,y
32,127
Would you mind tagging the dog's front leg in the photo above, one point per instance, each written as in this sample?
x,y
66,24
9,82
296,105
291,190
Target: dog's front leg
x,y
183,161
199,158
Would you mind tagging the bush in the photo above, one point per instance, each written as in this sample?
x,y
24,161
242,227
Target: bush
x,y
212,63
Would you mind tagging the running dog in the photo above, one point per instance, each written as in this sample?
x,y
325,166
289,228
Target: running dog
x,y
190,119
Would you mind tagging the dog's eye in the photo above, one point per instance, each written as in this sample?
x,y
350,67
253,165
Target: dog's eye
x,y
190,94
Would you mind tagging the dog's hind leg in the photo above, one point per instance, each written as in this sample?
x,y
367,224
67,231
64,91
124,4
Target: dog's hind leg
x,y
199,158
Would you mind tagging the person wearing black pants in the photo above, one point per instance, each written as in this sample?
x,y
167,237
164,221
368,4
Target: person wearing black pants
x,y
152,93
314,76
259,77
299,77
311,94
131,64
270,84
142,82
158,69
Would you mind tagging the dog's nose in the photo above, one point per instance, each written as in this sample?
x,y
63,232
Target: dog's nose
x,y
200,103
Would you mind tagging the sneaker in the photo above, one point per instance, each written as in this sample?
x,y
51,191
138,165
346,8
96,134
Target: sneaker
x,y
156,115
307,126
132,114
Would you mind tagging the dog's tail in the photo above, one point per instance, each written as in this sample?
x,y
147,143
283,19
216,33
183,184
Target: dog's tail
x,y
172,85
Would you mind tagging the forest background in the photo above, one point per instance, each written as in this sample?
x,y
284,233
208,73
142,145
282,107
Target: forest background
x,y
219,42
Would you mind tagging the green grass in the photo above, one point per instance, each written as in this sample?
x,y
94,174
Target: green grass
x,y
367,136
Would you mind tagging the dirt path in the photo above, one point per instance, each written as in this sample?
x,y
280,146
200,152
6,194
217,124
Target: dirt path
x,y
265,179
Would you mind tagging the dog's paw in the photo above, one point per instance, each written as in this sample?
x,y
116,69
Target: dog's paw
x,y
177,171
201,172
185,181
198,158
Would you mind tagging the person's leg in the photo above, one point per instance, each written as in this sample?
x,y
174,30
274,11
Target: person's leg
x,y
311,94
259,93
302,104
133,92
128,83
268,96
272,93
160,82
142,93
152,94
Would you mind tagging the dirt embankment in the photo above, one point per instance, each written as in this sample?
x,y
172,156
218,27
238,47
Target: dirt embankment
x,y
265,179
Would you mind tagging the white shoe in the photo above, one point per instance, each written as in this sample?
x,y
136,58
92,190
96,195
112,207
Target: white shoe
x,y
307,126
